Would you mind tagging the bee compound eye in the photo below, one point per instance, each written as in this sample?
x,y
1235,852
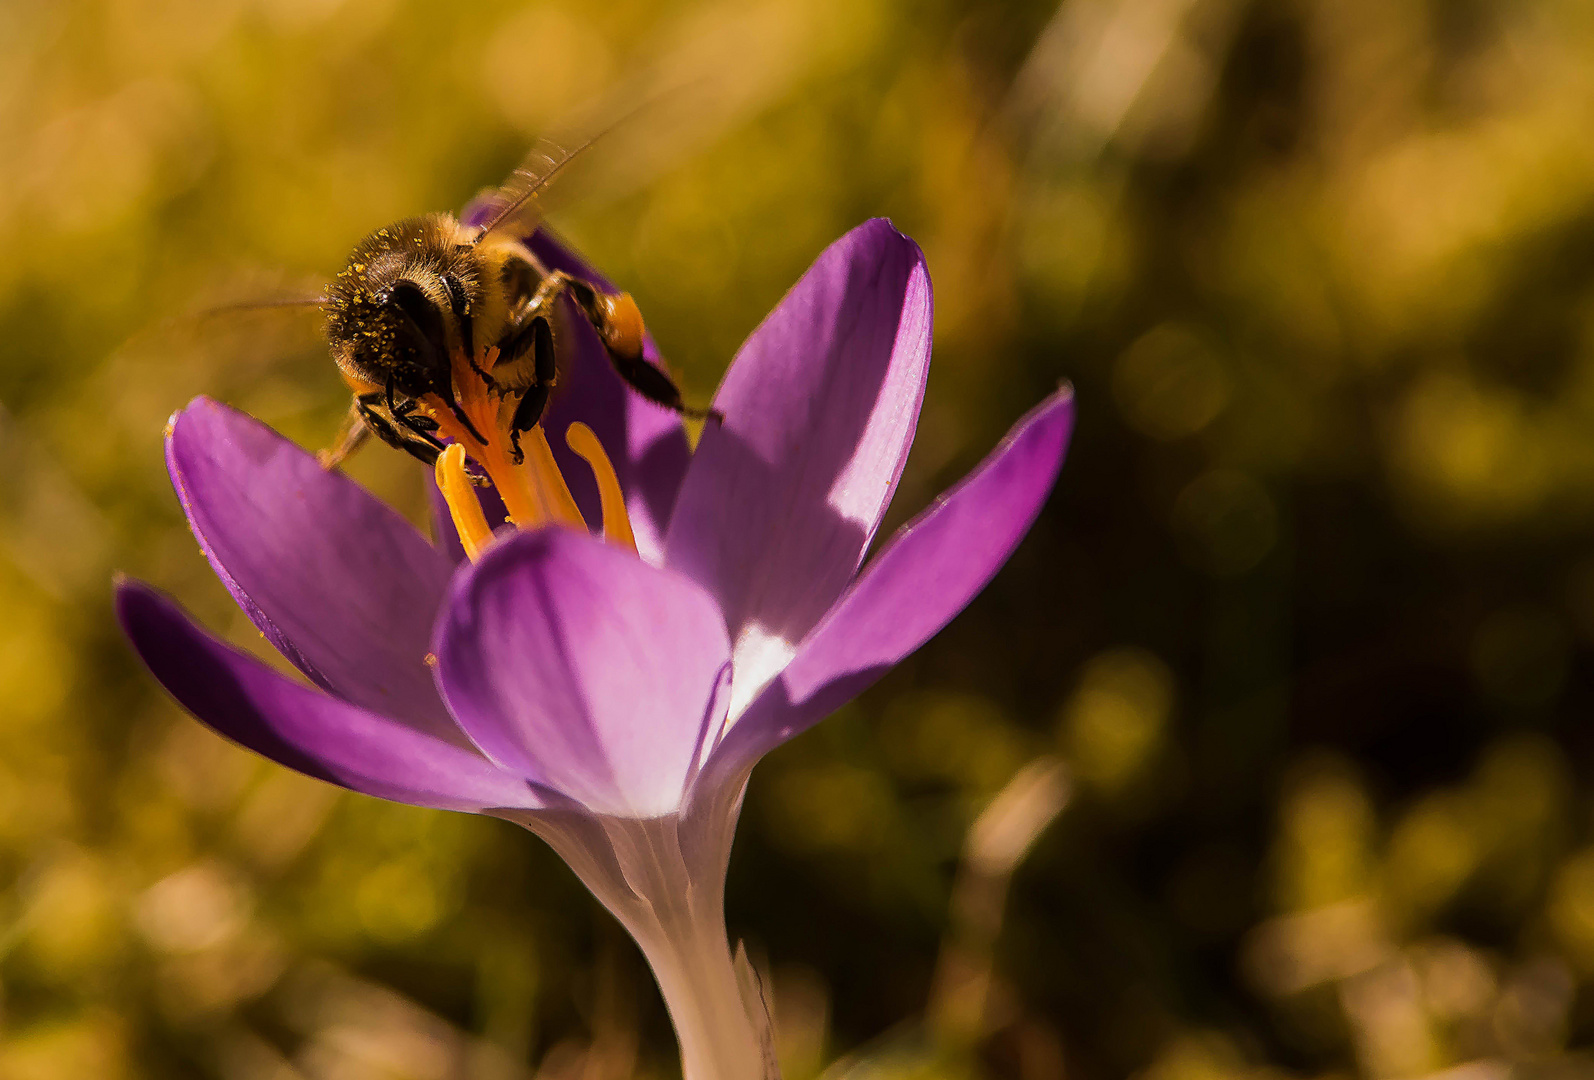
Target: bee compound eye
x,y
419,317
458,298
410,299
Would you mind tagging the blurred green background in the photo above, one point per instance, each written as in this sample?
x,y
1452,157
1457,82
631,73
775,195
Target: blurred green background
x,y
1302,649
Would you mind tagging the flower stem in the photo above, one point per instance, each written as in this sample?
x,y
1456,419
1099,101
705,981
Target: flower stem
x,y
670,896
712,1019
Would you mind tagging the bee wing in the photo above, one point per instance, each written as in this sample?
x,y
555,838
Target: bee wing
x,y
715,73
231,347
516,206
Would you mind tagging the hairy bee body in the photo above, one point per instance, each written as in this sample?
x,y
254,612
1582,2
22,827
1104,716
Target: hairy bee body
x,y
427,297
423,273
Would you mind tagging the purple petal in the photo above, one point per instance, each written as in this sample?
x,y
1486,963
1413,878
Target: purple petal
x,y
927,574
340,583
580,666
781,500
239,697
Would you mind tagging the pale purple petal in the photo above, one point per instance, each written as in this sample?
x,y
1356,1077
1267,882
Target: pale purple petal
x,y
781,500
927,574
580,666
305,729
340,583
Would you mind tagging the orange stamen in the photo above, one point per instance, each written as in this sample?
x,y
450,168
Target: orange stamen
x,y
463,506
547,481
526,509
533,490
616,521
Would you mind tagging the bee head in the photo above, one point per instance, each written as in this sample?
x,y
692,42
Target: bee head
x,y
397,332
397,310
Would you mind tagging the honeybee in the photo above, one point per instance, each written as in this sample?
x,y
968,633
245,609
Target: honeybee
x,y
430,302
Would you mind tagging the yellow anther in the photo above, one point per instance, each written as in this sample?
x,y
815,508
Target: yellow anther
x,y
546,480
616,521
463,506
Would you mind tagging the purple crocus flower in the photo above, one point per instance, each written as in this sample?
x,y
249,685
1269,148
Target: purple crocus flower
x,y
613,702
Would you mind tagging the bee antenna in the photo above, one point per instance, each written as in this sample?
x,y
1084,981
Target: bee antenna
x,y
557,162
541,182
266,305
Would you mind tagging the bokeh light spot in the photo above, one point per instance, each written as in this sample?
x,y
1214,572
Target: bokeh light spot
x,y
1226,521
1170,382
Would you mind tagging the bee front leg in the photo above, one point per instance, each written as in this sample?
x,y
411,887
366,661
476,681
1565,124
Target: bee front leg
x,y
399,435
403,415
423,425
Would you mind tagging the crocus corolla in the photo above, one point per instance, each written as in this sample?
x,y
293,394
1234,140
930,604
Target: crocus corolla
x,y
612,693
